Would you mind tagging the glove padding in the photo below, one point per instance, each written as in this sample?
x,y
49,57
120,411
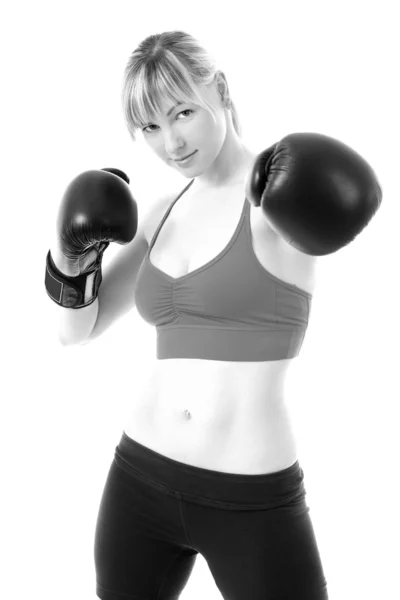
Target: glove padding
x,y
316,192
97,206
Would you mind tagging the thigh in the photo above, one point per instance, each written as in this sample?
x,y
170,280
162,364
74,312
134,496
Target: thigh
x,y
268,554
139,544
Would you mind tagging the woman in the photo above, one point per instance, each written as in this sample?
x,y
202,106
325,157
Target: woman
x,y
207,462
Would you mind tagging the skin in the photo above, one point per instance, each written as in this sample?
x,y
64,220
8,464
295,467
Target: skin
x,y
221,160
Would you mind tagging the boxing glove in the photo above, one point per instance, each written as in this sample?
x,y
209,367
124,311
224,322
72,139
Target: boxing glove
x,y
97,208
316,192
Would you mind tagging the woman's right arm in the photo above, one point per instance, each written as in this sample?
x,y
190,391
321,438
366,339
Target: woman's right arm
x,y
116,294
74,324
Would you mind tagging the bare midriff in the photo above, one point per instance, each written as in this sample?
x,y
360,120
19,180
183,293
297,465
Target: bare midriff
x,y
224,416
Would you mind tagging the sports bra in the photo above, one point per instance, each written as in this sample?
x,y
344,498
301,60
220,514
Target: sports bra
x,y
230,309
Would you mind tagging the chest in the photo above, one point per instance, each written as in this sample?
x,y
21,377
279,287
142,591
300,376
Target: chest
x,y
198,228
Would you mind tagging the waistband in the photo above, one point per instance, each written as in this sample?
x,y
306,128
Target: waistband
x,y
208,487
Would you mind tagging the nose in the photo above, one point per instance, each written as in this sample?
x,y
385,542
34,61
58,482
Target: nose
x,y
173,146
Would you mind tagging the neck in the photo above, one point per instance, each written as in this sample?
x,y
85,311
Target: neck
x,y
231,171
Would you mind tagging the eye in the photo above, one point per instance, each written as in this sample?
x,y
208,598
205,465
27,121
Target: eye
x,y
188,110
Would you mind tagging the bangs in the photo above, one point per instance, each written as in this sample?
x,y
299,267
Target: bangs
x,y
152,86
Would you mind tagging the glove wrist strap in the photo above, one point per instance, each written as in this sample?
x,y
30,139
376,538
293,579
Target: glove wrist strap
x,y
73,292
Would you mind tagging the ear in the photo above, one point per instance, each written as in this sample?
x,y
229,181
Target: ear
x,y
222,87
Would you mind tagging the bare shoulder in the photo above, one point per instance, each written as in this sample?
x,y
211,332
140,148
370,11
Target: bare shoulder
x,y
301,265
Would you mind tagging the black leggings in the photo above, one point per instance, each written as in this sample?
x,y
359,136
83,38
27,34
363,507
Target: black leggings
x,y
156,515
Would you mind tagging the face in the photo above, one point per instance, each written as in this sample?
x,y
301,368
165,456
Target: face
x,y
188,128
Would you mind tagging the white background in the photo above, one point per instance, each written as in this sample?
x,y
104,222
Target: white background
x,y
328,67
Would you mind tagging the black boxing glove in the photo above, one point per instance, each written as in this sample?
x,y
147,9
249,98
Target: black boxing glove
x,y
97,208
316,192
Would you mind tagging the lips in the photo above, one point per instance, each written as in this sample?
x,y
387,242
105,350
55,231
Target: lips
x,y
183,157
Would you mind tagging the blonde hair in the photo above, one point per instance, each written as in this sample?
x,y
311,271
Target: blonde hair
x,y
170,65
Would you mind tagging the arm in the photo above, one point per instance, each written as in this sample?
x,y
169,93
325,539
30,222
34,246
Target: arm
x,y
97,208
117,291
116,295
74,325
